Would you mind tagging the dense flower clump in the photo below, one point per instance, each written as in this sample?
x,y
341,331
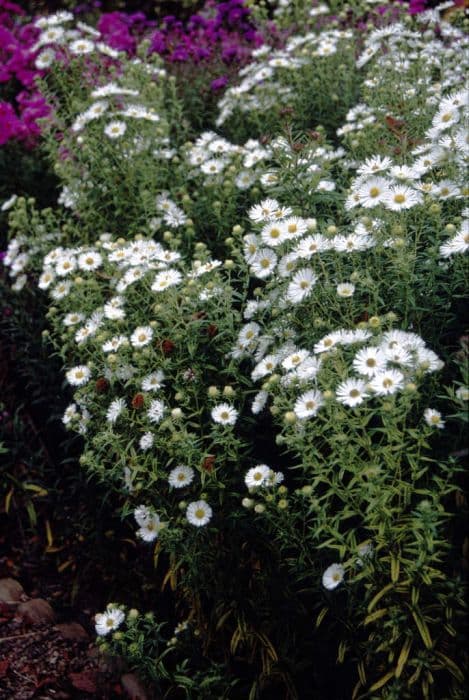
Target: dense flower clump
x,y
258,323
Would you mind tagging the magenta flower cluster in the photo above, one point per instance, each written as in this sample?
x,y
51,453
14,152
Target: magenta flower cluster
x,y
18,120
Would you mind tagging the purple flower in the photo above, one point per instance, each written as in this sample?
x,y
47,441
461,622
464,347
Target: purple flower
x,y
219,83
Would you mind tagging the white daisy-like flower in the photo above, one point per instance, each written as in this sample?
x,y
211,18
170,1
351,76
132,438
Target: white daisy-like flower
x,y
398,354
458,244
294,227
79,375
46,279
141,336
72,319
433,418
165,279
308,369
116,408
224,414
265,211
264,367
250,247
387,382
462,393
308,404
327,343
153,381
70,413
273,234
156,411
345,290
45,59
115,343
264,262
65,266
180,476
333,576
373,192
374,165
90,261
108,621
248,334
294,359
351,392
258,476
150,523
115,129
81,47
60,291
402,197
301,285
198,513
369,361
311,245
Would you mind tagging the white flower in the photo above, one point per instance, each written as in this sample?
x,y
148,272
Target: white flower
x,y
165,279
224,414
72,319
65,266
46,279
141,336
308,404
60,291
180,476
150,524
115,343
295,359
115,129
263,263
351,392
373,192
153,381
258,476
265,211
346,289
146,441
198,513
81,47
109,620
387,382
433,418
301,285
273,234
79,375
115,409
71,412
333,576
156,411
369,361
462,393
89,261
402,197
45,59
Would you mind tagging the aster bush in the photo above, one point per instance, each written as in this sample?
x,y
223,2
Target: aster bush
x,y
259,327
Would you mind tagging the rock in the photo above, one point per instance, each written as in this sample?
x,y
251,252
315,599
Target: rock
x,y
73,631
133,687
10,591
35,611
